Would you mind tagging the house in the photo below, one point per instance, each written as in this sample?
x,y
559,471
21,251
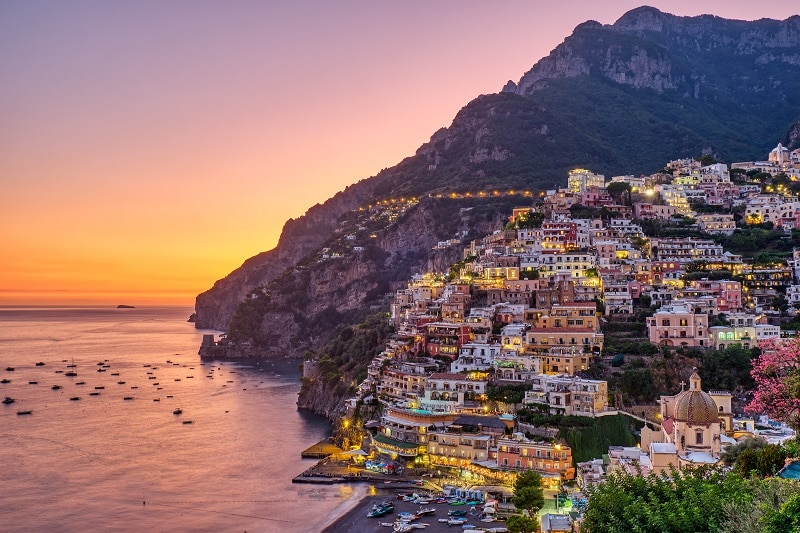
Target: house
x,y
716,223
568,395
677,324
552,460
448,392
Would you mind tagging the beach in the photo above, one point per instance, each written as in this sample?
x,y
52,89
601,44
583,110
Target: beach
x,y
354,518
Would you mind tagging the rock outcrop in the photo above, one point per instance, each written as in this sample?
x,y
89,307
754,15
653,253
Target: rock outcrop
x,y
647,48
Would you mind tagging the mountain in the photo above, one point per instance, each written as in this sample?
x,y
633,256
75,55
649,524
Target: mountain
x,y
623,98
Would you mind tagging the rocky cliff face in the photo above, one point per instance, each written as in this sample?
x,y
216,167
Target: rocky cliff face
x,y
646,48
301,309
215,307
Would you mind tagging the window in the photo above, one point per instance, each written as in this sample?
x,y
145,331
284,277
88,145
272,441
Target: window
x,y
665,322
699,437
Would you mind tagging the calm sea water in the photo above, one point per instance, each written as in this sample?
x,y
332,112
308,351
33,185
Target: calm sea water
x,y
104,463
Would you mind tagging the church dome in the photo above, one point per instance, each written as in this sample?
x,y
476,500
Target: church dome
x,y
695,406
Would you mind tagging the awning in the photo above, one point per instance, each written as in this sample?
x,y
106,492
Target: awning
x,y
355,452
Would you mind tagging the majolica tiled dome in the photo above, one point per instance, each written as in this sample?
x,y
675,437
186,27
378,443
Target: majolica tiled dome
x,y
695,406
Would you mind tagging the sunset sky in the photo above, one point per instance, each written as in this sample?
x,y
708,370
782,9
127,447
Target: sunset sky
x,y
148,148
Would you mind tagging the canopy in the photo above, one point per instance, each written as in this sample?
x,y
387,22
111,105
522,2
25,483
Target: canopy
x,y
355,452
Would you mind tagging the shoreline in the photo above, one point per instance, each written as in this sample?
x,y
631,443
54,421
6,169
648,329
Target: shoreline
x,y
360,494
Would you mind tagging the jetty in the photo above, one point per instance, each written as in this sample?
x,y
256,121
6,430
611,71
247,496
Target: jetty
x,y
321,450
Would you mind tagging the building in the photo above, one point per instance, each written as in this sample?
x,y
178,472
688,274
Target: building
x,y
404,432
677,324
553,461
573,325
581,180
716,223
692,428
447,392
568,395
468,439
445,338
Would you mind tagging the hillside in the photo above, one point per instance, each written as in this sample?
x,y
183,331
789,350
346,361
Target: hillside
x,y
622,98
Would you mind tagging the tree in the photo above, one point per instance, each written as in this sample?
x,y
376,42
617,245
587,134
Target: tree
x,y
528,491
619,191
522,524
787,519
777,376
766,498
685,500
730,454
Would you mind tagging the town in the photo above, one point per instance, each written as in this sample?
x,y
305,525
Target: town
x,y
516,331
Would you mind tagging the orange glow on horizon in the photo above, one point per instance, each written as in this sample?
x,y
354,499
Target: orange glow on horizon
x,y
148,149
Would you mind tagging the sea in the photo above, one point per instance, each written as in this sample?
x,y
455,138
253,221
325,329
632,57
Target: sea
x,y
105,450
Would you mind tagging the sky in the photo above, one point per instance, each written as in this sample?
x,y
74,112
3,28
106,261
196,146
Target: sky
x,y
147,148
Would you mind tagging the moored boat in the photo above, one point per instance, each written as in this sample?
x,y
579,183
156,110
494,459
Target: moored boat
x,y
8,400
380,509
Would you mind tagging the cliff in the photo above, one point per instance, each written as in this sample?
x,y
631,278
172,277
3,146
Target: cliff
x,y
300,310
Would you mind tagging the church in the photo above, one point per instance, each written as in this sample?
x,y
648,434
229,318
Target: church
x,y
693,428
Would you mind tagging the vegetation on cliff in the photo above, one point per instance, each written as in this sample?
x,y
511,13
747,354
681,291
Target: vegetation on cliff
x,y
341,364
588,438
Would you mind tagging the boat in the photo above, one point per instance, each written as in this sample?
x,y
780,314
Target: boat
x,y
94,394
71,374
128,398
187,421
80,383
426,511
55,387
4,380
10,369
456,521
177,411
8,400
33,383
24,412
75,398
40,363
99,388
457,512
379,509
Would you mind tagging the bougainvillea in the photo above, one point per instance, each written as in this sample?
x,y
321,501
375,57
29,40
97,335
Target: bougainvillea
x,y
777,376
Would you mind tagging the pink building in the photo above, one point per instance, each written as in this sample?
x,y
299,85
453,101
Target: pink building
x,y
727,292
678,325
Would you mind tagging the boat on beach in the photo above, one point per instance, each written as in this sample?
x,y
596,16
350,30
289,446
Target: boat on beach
x,y
380,509
8,400
24,412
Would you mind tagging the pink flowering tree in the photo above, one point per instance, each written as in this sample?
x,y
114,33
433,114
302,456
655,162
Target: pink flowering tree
x,y
777,376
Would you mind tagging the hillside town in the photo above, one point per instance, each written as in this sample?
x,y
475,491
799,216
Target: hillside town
x,y
526,311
